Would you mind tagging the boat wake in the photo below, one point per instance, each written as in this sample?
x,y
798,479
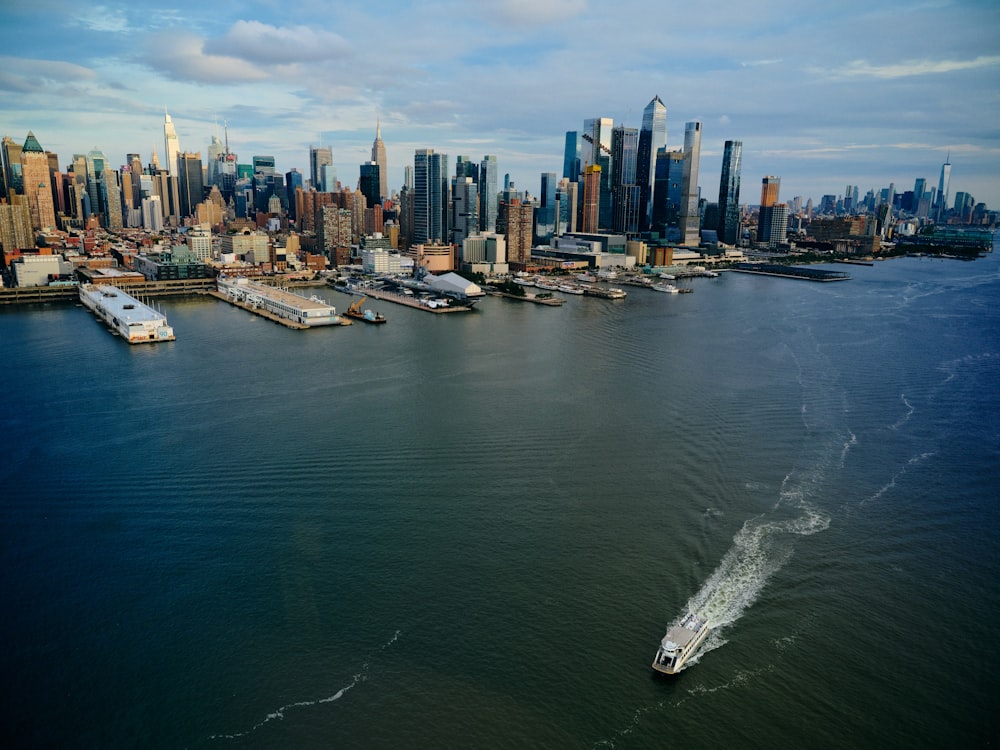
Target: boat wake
x,y
279,713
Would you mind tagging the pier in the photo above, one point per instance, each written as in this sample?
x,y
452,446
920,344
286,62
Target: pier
x,y
790,272
404,299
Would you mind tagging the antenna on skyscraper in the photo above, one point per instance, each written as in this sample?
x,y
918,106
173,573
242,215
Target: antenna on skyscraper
x,y
225,124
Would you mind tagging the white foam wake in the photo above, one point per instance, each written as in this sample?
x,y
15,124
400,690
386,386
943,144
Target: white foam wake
x,y
279,713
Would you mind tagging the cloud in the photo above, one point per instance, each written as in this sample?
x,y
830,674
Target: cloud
x,y
533,12
183,58
103,18
916,67
261,43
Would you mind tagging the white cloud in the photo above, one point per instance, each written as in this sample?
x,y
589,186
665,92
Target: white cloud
x,y
262,43
916,67
183,58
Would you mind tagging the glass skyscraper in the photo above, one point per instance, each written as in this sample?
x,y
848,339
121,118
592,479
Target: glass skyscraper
x,y
624,190
729,193
652,137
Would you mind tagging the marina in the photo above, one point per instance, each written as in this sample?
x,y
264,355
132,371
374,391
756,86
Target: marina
x,y
127,317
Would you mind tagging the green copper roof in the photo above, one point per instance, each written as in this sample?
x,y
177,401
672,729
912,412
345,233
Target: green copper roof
x,y
31,145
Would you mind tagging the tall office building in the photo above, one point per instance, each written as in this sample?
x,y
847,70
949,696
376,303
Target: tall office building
x,y
545,215
10,152
319,157
729,193
37,183
172,145
369,181
378,156
190,184
429,196
597,132
625,191
464,209
652,137
488,194
769,188
944,185
572,156
667,188
690,217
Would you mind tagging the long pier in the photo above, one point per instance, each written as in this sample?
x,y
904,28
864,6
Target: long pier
x,y
402,299
790,272
33,295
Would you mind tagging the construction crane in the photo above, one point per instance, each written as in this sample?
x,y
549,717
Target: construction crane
x,y
590,139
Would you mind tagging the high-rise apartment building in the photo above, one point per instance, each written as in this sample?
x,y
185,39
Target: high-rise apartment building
x,y
772,221
729,193
591,199
379,157
769,189
667,188
464,209
37,183
690,217
652,137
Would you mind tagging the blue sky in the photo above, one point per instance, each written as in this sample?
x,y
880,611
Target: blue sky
x,y
851,92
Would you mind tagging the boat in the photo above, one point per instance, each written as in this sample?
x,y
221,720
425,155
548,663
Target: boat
x,y
668,288
368,316
680,642
541,284
570,289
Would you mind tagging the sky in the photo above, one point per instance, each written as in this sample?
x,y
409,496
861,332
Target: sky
x,y
822,96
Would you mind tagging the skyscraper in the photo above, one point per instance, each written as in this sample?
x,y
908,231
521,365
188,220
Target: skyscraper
x,y
429,188
172,145
378,156
189,182
37,183
729,193
624,190
369,181
465,210
572,156
591,198
772,221
545,216
690,216
319,157
652,137
944,185
488,194
597,132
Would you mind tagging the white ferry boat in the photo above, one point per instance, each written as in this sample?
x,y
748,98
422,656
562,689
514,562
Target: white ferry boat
x,y
126,316
680,642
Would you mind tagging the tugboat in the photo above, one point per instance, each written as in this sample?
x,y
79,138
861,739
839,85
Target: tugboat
x,y
680,642
354,311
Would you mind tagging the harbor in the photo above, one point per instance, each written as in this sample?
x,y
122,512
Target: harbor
x,y
791,272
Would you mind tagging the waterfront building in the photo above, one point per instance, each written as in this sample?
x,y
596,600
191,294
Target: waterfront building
x,y
652,137
40,270
485,253
515,221
37,183
667,188
379,260
126,316
690,216
729,193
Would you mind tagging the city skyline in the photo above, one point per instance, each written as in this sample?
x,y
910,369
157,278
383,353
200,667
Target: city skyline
x,y
825,99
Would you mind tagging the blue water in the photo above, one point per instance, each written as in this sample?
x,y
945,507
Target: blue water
x,y
473,530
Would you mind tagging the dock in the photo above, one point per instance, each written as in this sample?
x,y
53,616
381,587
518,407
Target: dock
x,y
406,300
550,301
278,305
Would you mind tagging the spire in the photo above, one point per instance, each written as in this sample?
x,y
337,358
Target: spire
x,y
31,145
378,128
